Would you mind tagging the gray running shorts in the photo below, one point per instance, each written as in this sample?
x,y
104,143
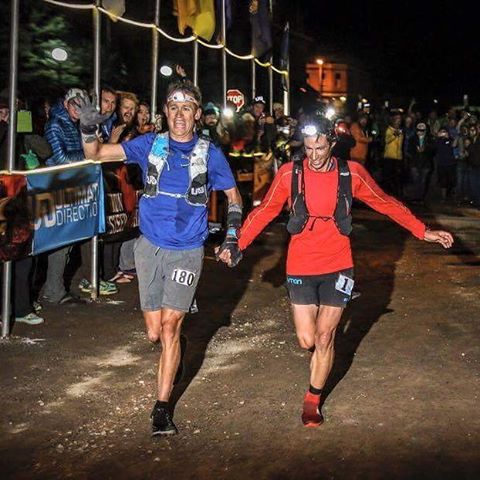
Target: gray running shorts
x,y
166,278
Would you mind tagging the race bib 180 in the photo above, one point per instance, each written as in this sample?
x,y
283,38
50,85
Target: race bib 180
x,y
344,284
183,277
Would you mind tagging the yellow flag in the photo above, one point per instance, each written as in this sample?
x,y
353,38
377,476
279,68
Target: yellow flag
x,y
186,11
205,20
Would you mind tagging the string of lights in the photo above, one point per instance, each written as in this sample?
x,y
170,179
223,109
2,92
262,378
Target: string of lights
x,y
192,38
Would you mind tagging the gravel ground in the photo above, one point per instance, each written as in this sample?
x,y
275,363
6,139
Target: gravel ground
x,y
402,399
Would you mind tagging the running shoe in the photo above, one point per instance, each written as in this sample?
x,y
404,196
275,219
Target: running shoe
x,y
311,416
105,288
162,423
30,319
70,299
37,306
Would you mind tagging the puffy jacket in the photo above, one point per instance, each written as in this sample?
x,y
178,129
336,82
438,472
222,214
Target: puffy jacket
x,y
393,144
360,150
64,137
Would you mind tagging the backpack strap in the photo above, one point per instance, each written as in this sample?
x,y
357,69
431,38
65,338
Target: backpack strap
x,y
342,215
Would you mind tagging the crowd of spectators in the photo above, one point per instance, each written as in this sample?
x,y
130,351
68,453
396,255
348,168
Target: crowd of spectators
x,y
409,153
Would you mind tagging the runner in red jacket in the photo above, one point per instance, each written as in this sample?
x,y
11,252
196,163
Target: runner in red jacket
x,y
319,260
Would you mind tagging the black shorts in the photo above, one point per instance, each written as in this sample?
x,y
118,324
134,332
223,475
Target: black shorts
x,y
331,289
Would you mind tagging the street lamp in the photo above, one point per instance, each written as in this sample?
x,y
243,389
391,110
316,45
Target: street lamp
x,y
320,75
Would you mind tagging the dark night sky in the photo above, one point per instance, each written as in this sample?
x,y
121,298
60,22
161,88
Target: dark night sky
x,y
422,49
410,48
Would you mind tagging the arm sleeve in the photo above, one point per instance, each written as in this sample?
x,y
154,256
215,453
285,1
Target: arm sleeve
x,y
365,189
270,207
56,138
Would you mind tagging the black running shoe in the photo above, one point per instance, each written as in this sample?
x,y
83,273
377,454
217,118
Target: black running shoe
x,y
162,423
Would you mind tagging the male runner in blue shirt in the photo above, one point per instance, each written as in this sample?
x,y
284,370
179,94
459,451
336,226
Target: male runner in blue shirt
x,y
179,169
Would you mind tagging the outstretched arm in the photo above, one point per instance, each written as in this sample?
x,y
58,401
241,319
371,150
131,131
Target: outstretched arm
x,y
365,189
445,239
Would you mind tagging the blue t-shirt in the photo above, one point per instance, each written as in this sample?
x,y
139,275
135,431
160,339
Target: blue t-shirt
x,y
170,222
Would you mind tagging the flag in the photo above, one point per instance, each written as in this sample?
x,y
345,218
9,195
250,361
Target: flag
x,y
185,11
199,15
284,54
204,23
261,28
115,8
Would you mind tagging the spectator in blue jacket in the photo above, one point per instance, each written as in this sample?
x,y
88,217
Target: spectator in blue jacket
x,y
62,131
63,134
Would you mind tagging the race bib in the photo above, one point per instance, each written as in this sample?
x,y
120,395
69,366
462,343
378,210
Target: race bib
x,y
344,284
183,277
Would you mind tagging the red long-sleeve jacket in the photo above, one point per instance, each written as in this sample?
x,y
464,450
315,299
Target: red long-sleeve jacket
x,y
320,248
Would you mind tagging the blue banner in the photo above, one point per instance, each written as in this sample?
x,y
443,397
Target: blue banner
x,y
67,206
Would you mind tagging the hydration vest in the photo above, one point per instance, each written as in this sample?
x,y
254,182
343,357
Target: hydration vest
x,y
197,192
299,214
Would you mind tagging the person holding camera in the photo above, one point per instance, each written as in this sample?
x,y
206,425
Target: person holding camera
x,y
392,164
320,189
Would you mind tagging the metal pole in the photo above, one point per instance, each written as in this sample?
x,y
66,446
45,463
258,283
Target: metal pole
x,y
195,63
270,84
270,70
286,93
96,84
254,79
155,38
12,103
224,56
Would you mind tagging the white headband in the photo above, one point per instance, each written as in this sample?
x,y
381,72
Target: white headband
x,y
181,96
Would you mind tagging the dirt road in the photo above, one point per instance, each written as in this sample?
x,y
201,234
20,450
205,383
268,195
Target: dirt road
x,y
403,398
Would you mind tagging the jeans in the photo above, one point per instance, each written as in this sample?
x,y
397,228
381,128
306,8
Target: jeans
x,y
127,260
54,288
392,176
421,181
22,304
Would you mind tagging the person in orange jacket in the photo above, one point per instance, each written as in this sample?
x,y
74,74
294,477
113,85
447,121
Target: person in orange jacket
x,y
359,132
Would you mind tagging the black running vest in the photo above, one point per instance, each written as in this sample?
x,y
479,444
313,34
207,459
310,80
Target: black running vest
x,y
299,214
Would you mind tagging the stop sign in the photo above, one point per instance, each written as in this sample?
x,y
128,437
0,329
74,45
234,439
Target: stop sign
x,y
236,97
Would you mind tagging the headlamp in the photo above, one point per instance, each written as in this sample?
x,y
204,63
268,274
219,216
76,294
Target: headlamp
x,y
309,131
330,113
181,96
227,112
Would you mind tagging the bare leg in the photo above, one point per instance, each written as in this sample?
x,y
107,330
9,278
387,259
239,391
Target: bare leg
x,y
305,319
171,323
328,319
153,324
